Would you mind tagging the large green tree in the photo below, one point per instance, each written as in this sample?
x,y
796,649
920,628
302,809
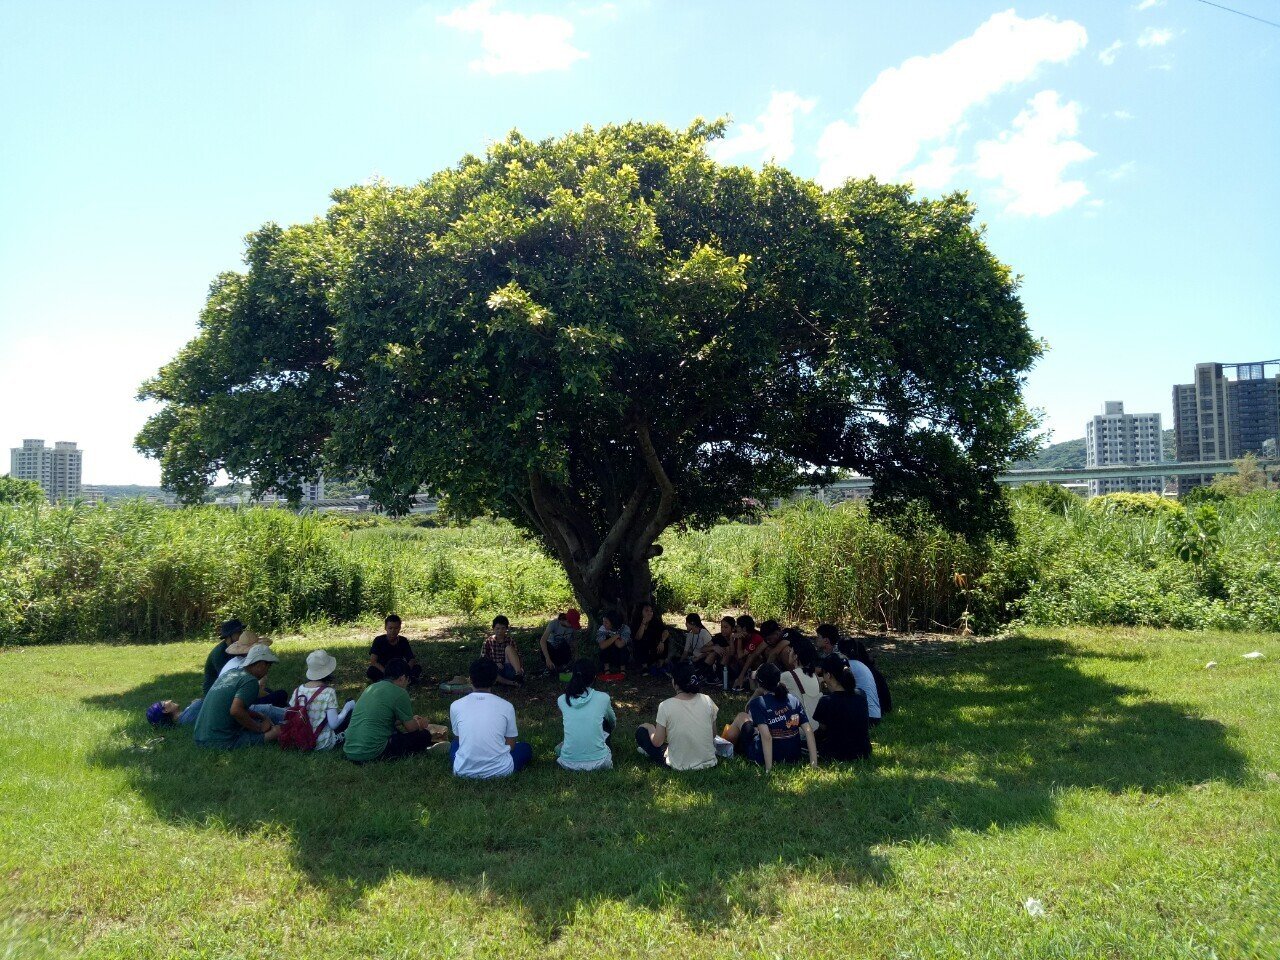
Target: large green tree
x,y
602,335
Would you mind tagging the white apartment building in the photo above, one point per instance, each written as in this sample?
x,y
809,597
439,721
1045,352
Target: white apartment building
x,y
1116,438
56,468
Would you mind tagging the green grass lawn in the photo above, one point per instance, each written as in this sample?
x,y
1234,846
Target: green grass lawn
x,y
1107,774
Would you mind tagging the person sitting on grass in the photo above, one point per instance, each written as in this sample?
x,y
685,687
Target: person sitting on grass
x,y
558,640
746,640
696,637
322,700
799,672
390,646
714,657
844,729
774,649
500,647
684,736
236,652
863,673
485,727
383,725
228,633
166,713
613,640
229,717
588,721
770,730
650,638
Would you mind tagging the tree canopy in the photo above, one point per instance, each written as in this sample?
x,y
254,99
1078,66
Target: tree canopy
x,y
24,492
604,334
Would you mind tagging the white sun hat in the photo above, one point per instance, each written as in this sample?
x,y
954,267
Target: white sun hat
x,y
320,665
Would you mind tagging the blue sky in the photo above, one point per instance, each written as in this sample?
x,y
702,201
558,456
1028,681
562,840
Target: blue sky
x,y
1123,155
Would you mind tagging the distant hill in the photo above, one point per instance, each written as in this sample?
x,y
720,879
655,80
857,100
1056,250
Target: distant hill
x,y
125,491
1069,455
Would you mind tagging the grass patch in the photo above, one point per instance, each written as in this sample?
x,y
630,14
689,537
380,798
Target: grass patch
x,y
1105,773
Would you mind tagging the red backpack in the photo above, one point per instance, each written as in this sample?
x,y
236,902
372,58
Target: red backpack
x,y
296,733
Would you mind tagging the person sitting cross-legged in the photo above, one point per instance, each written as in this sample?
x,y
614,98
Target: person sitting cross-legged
x,y
383,725
844,730
588,721
775,726
229,718
485,727
390,646
500,647
684,737
321,700
228,634
870,681
650,639
775,649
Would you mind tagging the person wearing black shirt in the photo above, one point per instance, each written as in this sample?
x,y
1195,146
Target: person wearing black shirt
x,y
229,633
391,646
844,732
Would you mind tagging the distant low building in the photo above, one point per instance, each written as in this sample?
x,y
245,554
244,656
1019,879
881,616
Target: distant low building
x,y
57,469
1115,438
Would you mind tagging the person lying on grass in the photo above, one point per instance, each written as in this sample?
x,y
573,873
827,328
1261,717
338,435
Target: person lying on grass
x,y
559,640
774,649
485,727
166,713
685,733
321,700
588,721
844,730
383,725
613,640
770,730
863,673
718,653
390,646
229,717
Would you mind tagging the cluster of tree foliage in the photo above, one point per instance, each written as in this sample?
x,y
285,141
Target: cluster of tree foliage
x,y
605,334
15,491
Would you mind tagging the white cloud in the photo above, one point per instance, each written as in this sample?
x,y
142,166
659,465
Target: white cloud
x,y
1120,172
1148,4
1108,56
516,42
924,99
936,172
1121,115
771,136
1153,37
1028,161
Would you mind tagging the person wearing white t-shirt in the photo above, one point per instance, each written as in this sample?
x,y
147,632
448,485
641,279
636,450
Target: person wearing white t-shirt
x,y
866,681
322,700
485,727
696,637
799,674
684,737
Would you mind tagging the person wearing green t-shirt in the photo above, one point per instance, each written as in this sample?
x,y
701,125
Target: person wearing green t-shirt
x,y
227,720
383,725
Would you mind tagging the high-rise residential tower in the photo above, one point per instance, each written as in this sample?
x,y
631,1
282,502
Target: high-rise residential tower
x,y
1230,409
1116,438
56,468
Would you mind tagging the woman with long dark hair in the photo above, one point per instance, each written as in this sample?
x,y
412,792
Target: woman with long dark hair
x,y
588,721
844,731
650,639
774,726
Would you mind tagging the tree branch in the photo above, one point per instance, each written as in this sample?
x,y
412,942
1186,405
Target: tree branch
x,y
667,500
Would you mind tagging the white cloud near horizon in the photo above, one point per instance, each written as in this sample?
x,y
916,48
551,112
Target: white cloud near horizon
x,y
1155,37
516,42
1148,4
771,136
1028,161
1108,56
921,102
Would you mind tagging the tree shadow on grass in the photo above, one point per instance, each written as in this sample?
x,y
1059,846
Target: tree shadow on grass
x,y
987,737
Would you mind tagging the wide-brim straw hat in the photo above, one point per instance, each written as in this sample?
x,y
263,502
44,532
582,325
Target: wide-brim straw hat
x,y
246,642
320,664
259,653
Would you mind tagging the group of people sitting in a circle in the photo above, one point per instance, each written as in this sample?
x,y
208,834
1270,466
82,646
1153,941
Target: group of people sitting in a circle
x,y
810,698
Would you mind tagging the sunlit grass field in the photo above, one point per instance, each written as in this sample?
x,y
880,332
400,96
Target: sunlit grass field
x,y
1105,774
